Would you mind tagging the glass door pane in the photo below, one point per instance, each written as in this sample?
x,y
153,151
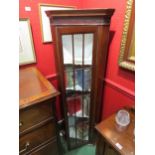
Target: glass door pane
x,y
77,58
78,48
67,49
88,48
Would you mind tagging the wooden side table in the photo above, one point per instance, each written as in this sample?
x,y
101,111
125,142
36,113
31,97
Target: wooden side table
x,y
113,142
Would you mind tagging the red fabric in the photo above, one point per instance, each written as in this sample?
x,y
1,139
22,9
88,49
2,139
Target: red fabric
x,y
74,106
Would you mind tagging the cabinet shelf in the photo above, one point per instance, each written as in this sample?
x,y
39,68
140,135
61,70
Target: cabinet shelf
x,y
75,93
78,66
79,115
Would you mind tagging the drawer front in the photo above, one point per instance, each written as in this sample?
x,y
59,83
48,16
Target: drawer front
x,y
42,134
48,149
35,114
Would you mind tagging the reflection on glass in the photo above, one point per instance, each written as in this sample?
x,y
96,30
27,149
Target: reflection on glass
x,y
78,116
82,126
79,105
67,49
86,105
77,55
72,130
88,48
82,43
69,78
74,105
83,79
78,48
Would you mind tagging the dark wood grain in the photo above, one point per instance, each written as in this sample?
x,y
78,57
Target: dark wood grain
x,y
80,12
37,117
48,149
35,114
33,87
37,137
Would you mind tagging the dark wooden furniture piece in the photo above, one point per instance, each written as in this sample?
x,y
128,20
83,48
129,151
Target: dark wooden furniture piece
x,y
37,122
111,141
81,40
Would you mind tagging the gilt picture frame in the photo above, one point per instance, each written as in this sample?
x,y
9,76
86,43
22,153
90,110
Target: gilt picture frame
x,y
26,46
44,20
127,49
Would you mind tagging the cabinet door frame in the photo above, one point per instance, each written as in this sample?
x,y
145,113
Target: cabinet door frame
x,y
60,67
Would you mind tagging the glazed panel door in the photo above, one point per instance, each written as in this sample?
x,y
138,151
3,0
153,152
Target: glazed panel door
x,y
77,51
80,39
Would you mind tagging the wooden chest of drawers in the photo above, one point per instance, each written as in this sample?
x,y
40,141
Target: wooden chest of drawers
x,y
37,120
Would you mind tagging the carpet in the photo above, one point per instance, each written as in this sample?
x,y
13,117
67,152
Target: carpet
x,y
84,150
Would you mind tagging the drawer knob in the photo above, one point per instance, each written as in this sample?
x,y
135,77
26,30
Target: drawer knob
x,y
26,147
20,123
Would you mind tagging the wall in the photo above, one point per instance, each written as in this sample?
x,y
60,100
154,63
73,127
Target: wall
x,y
119,83
44,51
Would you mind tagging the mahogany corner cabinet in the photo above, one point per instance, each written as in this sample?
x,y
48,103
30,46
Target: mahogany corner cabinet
x,y
80,38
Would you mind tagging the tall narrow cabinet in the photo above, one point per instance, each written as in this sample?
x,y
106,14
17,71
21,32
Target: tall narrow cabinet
x,y
80,38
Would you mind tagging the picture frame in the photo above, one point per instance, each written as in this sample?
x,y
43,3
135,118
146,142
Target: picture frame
x,y
44,20
26,46
127,49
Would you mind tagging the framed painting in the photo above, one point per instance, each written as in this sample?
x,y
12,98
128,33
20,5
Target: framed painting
x,y
26,47
127,50
44,20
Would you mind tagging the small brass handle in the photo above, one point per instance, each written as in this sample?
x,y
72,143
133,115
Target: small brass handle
x,y
20,123
26,147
